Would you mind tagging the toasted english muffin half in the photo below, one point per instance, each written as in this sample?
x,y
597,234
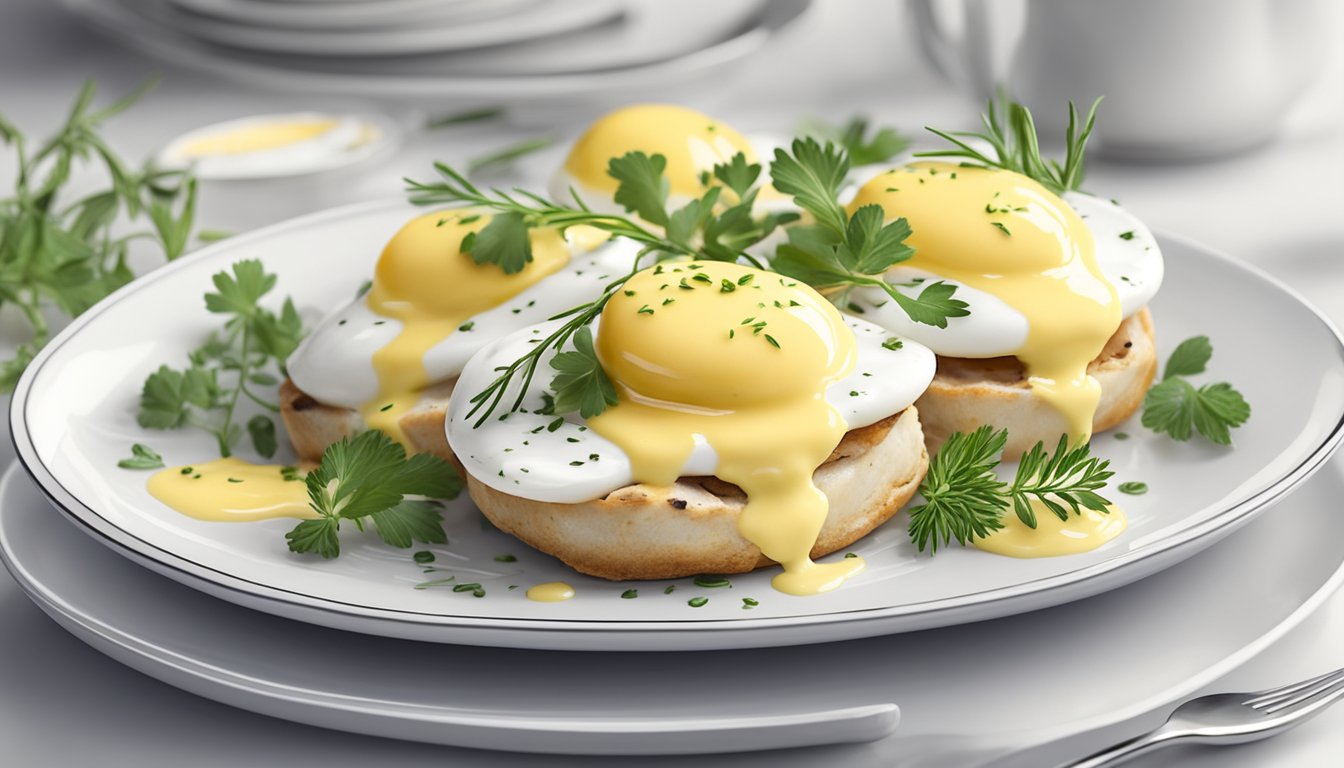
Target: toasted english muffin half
x,y
967,393
312,426
649,532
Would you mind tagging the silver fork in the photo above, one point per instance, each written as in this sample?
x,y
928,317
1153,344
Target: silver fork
x,y
1230,718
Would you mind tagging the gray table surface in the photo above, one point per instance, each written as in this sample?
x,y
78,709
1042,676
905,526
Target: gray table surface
x,y
63,703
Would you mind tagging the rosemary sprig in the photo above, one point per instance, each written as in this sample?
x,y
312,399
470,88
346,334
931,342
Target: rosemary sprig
x,y
1010,131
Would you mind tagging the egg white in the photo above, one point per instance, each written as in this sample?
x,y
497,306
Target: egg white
x,y
993,328
352,139
335,363
546,458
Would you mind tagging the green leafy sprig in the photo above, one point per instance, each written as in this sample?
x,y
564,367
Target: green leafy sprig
x,y
254,342
839,252
1010,131
1179,408
965,499
883,145
73,253
367,478
719,225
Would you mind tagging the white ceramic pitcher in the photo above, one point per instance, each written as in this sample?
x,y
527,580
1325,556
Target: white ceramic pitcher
x,y
1182,79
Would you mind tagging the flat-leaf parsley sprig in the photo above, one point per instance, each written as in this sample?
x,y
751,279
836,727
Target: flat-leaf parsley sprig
x,y
840,252
1010,131
965,499
255,342
1179,408
367,478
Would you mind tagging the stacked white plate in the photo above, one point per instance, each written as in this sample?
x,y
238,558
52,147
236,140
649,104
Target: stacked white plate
x,y
469,49
220,609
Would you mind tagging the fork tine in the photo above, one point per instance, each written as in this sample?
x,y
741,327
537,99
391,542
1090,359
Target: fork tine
x,y
1266,696
1325,690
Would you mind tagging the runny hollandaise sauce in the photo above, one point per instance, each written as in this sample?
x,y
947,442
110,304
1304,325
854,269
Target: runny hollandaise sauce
x,y
1053,537
426,281
259,137
1007,235
232,490
741,359
550,592
691,143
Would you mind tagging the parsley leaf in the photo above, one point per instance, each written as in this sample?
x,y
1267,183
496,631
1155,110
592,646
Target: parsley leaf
x,y
504,242
840,252
369,476
738,175
142,457
883,145
254,338
965,499
580,384
1189,358
643,188
1178,408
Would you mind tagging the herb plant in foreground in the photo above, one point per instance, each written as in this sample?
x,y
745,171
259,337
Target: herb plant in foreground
x,y
230,366
840,252
73,253
367,479
965,499
1179,408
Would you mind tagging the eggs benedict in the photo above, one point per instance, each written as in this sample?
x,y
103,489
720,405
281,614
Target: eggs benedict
x,y
388,360
1058,340
753,424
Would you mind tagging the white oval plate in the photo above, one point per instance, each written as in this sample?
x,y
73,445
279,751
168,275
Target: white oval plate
x,y
353,14
966,694
73,417
435,77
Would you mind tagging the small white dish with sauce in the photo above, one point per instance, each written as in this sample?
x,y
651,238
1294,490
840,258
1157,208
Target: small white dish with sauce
x,y
74,417
280,145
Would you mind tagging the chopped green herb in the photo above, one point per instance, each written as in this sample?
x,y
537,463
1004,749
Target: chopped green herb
x,y
144,457
1133,488
630,594
696,602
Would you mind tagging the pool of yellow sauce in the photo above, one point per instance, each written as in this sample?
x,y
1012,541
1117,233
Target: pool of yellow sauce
x,y
1007,235
688,359
550,592
692,143
259,137
1053,537
426,281
231,490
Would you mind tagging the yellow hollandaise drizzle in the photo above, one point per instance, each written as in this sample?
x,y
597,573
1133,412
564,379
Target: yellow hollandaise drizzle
x,y
1053,537
1007,235
231,490
550,592
259,137
692,143
741,359
425,280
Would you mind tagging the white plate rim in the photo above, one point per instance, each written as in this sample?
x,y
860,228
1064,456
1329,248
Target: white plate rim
x,y
118,644
1083,582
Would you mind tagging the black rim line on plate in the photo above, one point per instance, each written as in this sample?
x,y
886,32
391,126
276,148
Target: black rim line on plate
x,y
26,454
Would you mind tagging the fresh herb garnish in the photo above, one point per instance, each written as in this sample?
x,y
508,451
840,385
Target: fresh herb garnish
x,y
697,602
882,146
144,457
423,556
712,582
840,252
70,254
964,498
1011,133
630,594
227,367
367,478
1133,488
749,602
1178,408
701,229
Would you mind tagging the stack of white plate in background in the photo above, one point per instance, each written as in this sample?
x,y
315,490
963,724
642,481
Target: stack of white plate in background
x,y
463,49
